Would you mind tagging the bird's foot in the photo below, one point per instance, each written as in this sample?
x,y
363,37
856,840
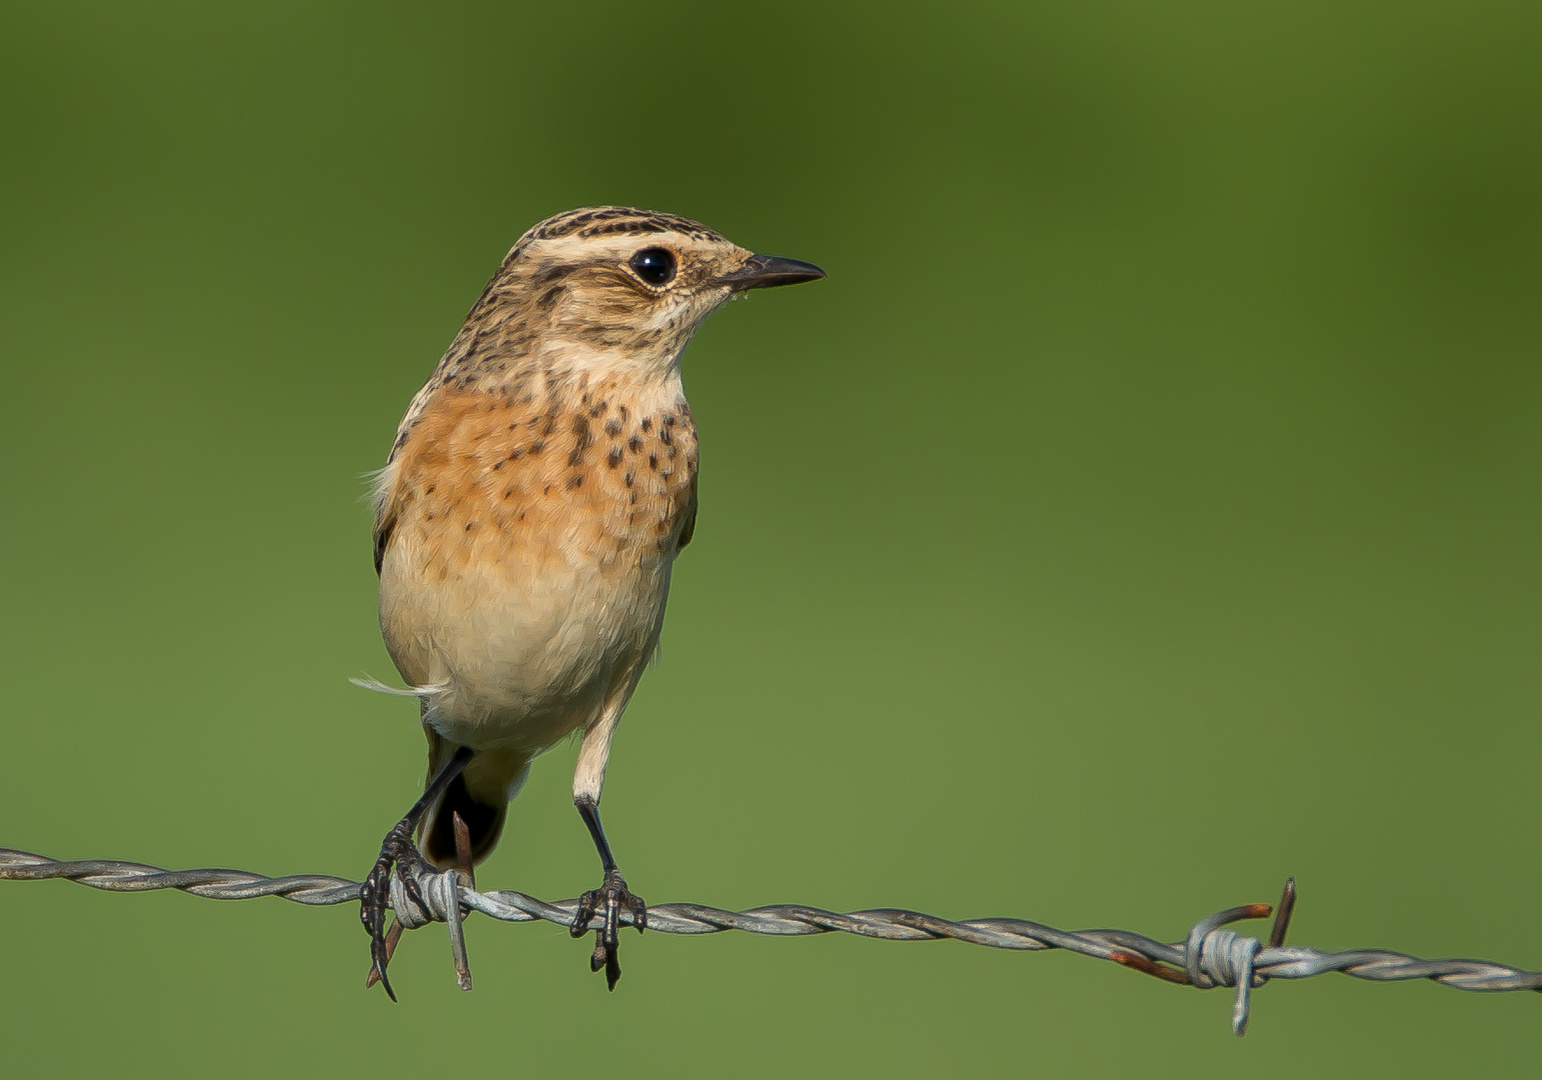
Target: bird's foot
x,y
608,901
375,893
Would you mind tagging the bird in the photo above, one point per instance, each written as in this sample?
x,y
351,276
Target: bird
x,y
539,489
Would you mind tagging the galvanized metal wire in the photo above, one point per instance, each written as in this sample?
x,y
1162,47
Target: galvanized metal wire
x,y
1210,956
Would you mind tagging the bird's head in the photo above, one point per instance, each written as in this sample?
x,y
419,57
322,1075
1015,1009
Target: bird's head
x,y
614,287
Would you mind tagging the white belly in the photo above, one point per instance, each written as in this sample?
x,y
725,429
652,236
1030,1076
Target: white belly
x,y
518,658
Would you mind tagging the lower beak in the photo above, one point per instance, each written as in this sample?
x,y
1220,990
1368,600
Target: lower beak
x,y
764,271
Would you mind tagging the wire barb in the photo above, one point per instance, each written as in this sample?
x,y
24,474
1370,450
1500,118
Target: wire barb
x,y
1209,956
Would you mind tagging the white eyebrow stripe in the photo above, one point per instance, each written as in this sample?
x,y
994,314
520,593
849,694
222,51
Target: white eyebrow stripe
x,y
618,246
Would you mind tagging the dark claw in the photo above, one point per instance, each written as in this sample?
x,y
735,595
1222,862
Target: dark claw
x,y
375,894
612,896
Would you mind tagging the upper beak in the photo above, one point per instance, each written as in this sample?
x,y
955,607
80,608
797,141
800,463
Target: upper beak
x,y
764,271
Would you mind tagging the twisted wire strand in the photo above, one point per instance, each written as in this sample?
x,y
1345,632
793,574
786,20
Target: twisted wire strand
x,y
1210,956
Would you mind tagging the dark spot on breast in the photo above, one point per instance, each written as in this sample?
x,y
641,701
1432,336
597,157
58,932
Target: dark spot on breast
x,y
613,427
630,476
669,421
546,490
582,439
624,413
634,444
576,480
614,457
653,461
508,493
536,447
673,450
666,436
647,424
497,465
470,525
430,489
519,452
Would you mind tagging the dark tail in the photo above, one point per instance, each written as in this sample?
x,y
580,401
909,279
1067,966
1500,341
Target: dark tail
x,y
479,795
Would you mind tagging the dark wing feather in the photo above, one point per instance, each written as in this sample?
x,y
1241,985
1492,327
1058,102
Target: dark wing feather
x,y
689,529
384,527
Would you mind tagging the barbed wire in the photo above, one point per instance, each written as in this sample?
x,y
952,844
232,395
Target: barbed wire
x,y
1210,956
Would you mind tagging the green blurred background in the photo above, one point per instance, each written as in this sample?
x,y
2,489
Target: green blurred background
x,y
1144,509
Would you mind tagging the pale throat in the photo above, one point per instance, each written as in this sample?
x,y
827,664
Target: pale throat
x,y
646,373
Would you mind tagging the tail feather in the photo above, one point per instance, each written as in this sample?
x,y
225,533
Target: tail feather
x,y
479,795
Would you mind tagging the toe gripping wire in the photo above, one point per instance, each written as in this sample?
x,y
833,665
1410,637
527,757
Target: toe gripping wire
x,y
1210,956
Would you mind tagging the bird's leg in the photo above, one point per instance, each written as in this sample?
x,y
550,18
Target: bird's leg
x,y
462,862
399,848
606,901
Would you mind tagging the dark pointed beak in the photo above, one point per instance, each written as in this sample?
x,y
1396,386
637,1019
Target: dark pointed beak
x,y
764,271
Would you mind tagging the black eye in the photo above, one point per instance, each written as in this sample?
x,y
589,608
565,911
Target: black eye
x,y
654,265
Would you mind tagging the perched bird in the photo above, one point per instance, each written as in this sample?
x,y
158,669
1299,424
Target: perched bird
x,y
528,518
